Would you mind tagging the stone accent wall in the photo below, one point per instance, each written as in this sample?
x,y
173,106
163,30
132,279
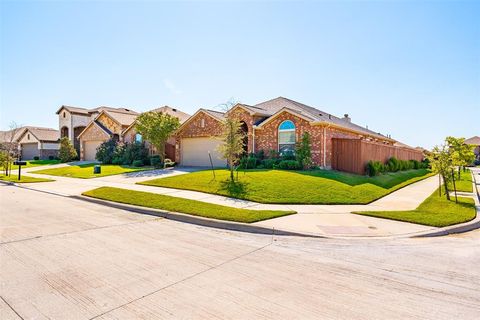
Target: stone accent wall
x,y
110,124
93,133
194,129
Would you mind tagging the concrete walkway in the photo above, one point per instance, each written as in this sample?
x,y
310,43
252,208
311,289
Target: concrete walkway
x,y
324,220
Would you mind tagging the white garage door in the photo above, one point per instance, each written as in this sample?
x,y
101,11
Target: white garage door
x,y
90,149
194,152
29,150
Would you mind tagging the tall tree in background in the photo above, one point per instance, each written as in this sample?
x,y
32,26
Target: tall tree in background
x,y
156,128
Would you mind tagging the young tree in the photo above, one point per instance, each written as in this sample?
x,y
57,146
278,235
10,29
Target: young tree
x,y
232,147
67,152
303,151
10,146
157,127
441,162
462,154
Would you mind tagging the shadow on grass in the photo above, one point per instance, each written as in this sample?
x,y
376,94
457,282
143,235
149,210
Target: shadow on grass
x,y
235,189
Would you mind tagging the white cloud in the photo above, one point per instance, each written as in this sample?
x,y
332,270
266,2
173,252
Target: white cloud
x,y
171,86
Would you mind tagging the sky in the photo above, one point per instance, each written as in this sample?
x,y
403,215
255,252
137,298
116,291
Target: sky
x,y
408,69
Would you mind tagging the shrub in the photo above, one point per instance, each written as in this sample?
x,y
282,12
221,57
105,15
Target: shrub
x,y
269,163
135,151
288,165
248,163
51,158
67,152
288,155
304,151
106,151
137,163
374,168
393,164
36,158
260,155
273,154
155,161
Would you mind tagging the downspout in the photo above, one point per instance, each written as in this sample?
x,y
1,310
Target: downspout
x,y
253,138
324,147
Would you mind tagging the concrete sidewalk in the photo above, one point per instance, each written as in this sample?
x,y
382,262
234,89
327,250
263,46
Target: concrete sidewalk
x,y
323,220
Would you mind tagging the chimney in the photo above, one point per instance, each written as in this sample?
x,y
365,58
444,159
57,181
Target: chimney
x,y
347,118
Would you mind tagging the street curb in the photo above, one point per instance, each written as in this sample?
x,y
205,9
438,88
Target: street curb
x,y
201,221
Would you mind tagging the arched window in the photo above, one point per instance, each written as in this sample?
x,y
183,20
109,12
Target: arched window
x,y
286,137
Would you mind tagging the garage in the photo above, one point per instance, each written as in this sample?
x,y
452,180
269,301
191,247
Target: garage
x,y
194,152
29,151
90,149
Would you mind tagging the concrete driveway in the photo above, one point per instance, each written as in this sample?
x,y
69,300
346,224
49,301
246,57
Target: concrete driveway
x,y
62,258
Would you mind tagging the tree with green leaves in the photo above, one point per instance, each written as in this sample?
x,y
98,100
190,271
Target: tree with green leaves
x,y
156,128
442,164
303,151
233,142
462,154
67,152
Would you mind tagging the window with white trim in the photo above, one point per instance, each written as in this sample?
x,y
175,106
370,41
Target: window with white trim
x,y
286,137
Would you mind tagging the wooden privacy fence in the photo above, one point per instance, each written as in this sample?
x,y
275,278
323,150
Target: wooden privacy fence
x,y
352,155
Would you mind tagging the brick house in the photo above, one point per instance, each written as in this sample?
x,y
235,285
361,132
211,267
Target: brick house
x,y
276,124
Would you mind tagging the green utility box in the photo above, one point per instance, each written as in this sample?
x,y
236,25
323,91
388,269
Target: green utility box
x,y
97,169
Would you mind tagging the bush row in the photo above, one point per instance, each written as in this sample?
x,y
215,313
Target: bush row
x,y
393,164
274,160
131,154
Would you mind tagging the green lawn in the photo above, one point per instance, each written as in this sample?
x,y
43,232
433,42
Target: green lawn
x,y
24,179
85,171
300,187
193,207
465,182
36,163
434,211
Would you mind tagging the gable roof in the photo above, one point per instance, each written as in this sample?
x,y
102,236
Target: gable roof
x,y
182,116
475,140
124,119
87,112
280,104
6,136
42,134
217,115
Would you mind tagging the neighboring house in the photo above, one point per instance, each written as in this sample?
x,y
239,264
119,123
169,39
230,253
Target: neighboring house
x,y
276,124
38,142
130,135
107,124
117,123
475,143
73,120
